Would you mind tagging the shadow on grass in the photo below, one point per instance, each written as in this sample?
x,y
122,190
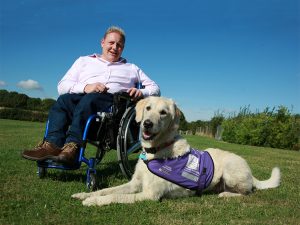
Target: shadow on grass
x,y
105,173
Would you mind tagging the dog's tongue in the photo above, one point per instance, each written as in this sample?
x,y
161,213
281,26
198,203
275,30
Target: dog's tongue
x,y
146,135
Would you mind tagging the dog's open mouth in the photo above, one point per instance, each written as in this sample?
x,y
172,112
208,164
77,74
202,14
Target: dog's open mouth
x,y
148,135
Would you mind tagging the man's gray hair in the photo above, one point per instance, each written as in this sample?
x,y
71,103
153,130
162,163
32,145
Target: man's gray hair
x,y
115,29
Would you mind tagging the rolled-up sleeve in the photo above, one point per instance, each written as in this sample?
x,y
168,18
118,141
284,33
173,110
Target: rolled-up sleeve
x,y
150,87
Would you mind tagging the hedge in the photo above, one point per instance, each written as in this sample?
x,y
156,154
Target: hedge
x,y
276,129
21,114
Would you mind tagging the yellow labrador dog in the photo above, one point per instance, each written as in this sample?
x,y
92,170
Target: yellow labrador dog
x,y
159,117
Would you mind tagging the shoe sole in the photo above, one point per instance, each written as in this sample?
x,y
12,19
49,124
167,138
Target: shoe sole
x,y
41,158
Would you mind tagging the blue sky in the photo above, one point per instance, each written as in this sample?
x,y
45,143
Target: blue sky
x,y
209,56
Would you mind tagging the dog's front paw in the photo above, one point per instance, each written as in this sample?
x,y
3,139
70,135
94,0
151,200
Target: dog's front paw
x,y
97,200
92,201
81,196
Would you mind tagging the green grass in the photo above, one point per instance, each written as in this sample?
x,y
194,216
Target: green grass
x,y
27,199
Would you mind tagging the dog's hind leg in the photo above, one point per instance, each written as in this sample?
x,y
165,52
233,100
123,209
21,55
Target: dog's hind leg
x,y
236,179
223,190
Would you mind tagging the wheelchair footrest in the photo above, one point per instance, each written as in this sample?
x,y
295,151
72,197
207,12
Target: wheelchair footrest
x,y
56,165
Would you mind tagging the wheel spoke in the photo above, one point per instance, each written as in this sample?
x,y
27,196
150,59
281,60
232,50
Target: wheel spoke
x,y
135,147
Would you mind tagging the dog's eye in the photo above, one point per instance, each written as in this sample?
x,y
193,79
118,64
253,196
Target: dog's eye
x,y
163,112
148,108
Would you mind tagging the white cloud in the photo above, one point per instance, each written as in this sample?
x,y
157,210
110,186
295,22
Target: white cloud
x,y
2,83
29,85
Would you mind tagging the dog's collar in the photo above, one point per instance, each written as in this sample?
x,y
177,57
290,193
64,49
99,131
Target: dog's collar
x,y
154,150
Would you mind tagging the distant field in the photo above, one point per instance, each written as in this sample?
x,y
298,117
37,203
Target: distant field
x,y
27,199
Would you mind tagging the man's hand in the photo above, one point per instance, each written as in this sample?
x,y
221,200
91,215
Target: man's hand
x,y
96,87
135,93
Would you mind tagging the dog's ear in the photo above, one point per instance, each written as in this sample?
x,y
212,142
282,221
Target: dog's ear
x,y
139,109
176,114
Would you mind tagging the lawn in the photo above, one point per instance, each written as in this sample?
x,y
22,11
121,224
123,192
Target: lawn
x,y
27,199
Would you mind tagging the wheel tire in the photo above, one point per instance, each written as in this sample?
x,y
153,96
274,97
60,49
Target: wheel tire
x,y
128,143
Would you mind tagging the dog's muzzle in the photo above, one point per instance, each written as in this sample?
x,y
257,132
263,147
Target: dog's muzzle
x,y
147,127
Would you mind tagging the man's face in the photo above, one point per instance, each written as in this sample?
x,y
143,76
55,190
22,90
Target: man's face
x,y
112,47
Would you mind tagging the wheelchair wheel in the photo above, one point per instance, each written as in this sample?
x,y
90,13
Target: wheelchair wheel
x,y
42,172
128,142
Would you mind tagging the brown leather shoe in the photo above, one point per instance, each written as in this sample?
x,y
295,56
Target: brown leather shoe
x,y
44,150
69,154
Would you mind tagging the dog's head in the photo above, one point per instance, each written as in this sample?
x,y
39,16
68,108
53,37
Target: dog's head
x,y
159,120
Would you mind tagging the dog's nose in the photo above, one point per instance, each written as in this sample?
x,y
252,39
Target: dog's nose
x,y
148,124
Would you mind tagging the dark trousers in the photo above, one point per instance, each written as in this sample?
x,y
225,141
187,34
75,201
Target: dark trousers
x,y
68,116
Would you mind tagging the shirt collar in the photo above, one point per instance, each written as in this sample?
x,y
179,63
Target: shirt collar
x,y
121,60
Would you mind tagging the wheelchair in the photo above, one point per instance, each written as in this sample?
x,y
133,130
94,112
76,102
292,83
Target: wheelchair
x,y
114,128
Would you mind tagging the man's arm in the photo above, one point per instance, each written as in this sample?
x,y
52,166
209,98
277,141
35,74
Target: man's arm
x,y
69,83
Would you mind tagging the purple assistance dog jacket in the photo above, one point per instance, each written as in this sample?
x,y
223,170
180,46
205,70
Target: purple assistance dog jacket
x,y
193,170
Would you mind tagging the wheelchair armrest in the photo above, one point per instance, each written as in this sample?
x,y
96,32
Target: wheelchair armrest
x,y
122,95
121,98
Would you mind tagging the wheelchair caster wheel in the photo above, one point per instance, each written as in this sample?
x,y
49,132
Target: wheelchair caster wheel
x,y
91,182
42,171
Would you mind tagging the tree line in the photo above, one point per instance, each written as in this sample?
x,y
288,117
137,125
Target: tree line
x,y
276,127
21,101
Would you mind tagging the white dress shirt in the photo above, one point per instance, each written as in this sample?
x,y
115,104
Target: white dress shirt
x,y
117,76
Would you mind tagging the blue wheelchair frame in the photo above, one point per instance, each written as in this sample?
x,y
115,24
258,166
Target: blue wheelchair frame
x,y
90,162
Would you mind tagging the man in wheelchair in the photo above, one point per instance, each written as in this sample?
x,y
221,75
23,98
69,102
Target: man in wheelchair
x,y
88,88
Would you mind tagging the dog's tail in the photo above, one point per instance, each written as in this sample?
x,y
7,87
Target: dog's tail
x,y
272,182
